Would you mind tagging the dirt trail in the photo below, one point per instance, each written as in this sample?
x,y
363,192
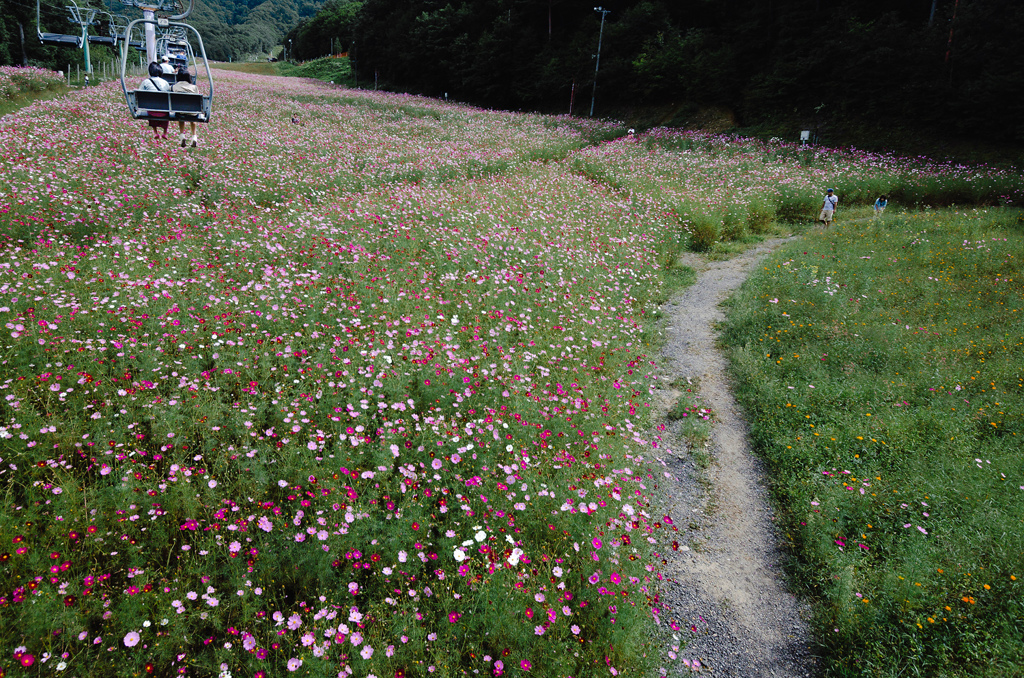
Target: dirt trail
x,y
728,580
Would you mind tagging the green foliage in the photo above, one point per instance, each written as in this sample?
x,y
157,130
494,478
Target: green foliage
x,y
331,30
705,231
328,69
760,216
881,364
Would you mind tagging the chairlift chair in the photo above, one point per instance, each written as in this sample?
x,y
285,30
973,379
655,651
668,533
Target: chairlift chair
x,y
56,39
116,23
102,40
163,106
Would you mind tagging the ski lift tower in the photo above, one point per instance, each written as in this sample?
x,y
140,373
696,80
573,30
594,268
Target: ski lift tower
x,y
149,10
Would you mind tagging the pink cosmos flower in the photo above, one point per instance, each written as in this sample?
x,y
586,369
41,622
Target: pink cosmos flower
x,y
525,665
131,639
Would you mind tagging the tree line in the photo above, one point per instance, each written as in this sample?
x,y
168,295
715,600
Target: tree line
x,y
950,65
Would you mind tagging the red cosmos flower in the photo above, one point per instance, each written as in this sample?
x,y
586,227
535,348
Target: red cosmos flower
x,y
149,668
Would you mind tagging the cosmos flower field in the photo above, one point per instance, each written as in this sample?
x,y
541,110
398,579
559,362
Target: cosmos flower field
x,y
368,395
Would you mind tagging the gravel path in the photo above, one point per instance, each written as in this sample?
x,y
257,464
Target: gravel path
x,y
727,583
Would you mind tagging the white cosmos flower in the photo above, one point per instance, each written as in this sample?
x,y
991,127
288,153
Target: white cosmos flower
x,y
460,555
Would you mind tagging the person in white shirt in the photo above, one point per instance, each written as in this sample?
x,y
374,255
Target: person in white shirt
x,y
166,67
828,207
156,83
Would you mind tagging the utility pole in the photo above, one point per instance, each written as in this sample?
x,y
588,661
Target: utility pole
x,y
597,64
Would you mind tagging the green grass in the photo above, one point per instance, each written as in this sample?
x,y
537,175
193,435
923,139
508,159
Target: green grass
x,y
20,87
882,363
255,67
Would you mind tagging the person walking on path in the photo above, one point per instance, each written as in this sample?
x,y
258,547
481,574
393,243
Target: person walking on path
x,y
880,205
828,207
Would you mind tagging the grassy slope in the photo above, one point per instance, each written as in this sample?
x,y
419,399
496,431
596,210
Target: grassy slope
x,y
881,364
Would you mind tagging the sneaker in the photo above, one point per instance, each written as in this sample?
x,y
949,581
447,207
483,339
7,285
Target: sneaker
x,y
183,139
195,141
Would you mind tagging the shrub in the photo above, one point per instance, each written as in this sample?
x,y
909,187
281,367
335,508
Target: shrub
x,y
704,231
797,204
734,222
760,215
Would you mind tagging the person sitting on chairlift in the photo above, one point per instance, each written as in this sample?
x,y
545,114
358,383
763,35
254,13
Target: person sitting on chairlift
x,y
183,83
156,83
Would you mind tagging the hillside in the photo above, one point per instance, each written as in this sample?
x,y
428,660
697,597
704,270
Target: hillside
x,y
231,29
377,391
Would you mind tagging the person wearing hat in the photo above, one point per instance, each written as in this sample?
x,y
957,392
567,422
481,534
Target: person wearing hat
x,y
828,207
166,67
